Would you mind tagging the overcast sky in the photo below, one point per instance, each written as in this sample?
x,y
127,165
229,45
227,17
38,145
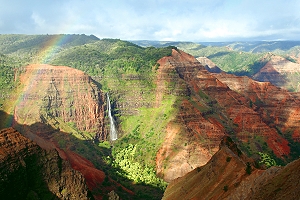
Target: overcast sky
x,y
177,20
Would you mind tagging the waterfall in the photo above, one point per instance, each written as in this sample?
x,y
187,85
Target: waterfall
x,y
112,133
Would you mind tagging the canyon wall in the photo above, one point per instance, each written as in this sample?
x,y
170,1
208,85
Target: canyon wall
x,y
229,174
218,104
61,96
28,171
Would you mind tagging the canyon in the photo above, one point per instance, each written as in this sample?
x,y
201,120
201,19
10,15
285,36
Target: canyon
x,y
222,104
182,117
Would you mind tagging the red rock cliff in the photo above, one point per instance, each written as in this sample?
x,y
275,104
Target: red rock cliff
x,y
215,105
28,171
230,175
59,94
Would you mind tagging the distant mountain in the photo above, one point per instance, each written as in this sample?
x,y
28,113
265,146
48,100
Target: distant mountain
x,y
281,72
28,49
249,58
259,46
246,46
153,43
20,43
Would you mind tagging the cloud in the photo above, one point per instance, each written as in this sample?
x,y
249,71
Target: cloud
x,y
190,20
38,20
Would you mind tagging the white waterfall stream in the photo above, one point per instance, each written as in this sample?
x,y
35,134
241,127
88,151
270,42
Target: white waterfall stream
x,y
113,132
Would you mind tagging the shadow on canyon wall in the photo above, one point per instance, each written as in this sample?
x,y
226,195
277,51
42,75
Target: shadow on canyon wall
x,y
49,138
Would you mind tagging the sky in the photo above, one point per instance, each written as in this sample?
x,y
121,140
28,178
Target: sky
x,y
163,20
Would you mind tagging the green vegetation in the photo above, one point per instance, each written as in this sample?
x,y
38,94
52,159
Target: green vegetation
x,y
29,47
7,72
135,152
248,168
146,130
237,62
121,68
127,72
111,57
266,160
225,188
139,173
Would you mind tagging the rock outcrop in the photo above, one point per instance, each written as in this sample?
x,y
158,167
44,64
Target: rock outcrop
x,y
280,72
192,137
56,95
29,172
218,104
209,65
229,174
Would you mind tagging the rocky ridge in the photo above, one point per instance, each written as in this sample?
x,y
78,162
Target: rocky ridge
x,y
198,135
280,72
218,104
28,171
229,174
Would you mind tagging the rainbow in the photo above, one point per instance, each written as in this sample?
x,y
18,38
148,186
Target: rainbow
x,y
44,56
51,48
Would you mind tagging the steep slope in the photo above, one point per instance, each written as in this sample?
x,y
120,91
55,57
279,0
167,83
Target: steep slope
x,y
276,106
29,48
63,97
280,72
209,65
260,116
171,115
28,171
192,136
230,175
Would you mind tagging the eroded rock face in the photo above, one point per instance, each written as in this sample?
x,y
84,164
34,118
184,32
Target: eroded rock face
x,y
209,65
192,138
219,104
229,174
59,94
280,72
28,171
271,107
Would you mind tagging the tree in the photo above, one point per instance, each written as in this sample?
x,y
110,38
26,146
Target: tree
x,y
266,160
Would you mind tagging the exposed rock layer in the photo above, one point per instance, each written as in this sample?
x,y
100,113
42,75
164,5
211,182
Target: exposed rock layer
x,y
191,137
28,171
58,94
216,104
230,175
280,72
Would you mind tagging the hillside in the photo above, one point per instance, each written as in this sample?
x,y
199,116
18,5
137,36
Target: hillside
x,y
29,171
280,72
61,96
171,112
29,46
245,46
231,175
223,104
252,59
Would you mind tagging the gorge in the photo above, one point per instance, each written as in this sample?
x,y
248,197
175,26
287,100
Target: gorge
x,y
170,123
